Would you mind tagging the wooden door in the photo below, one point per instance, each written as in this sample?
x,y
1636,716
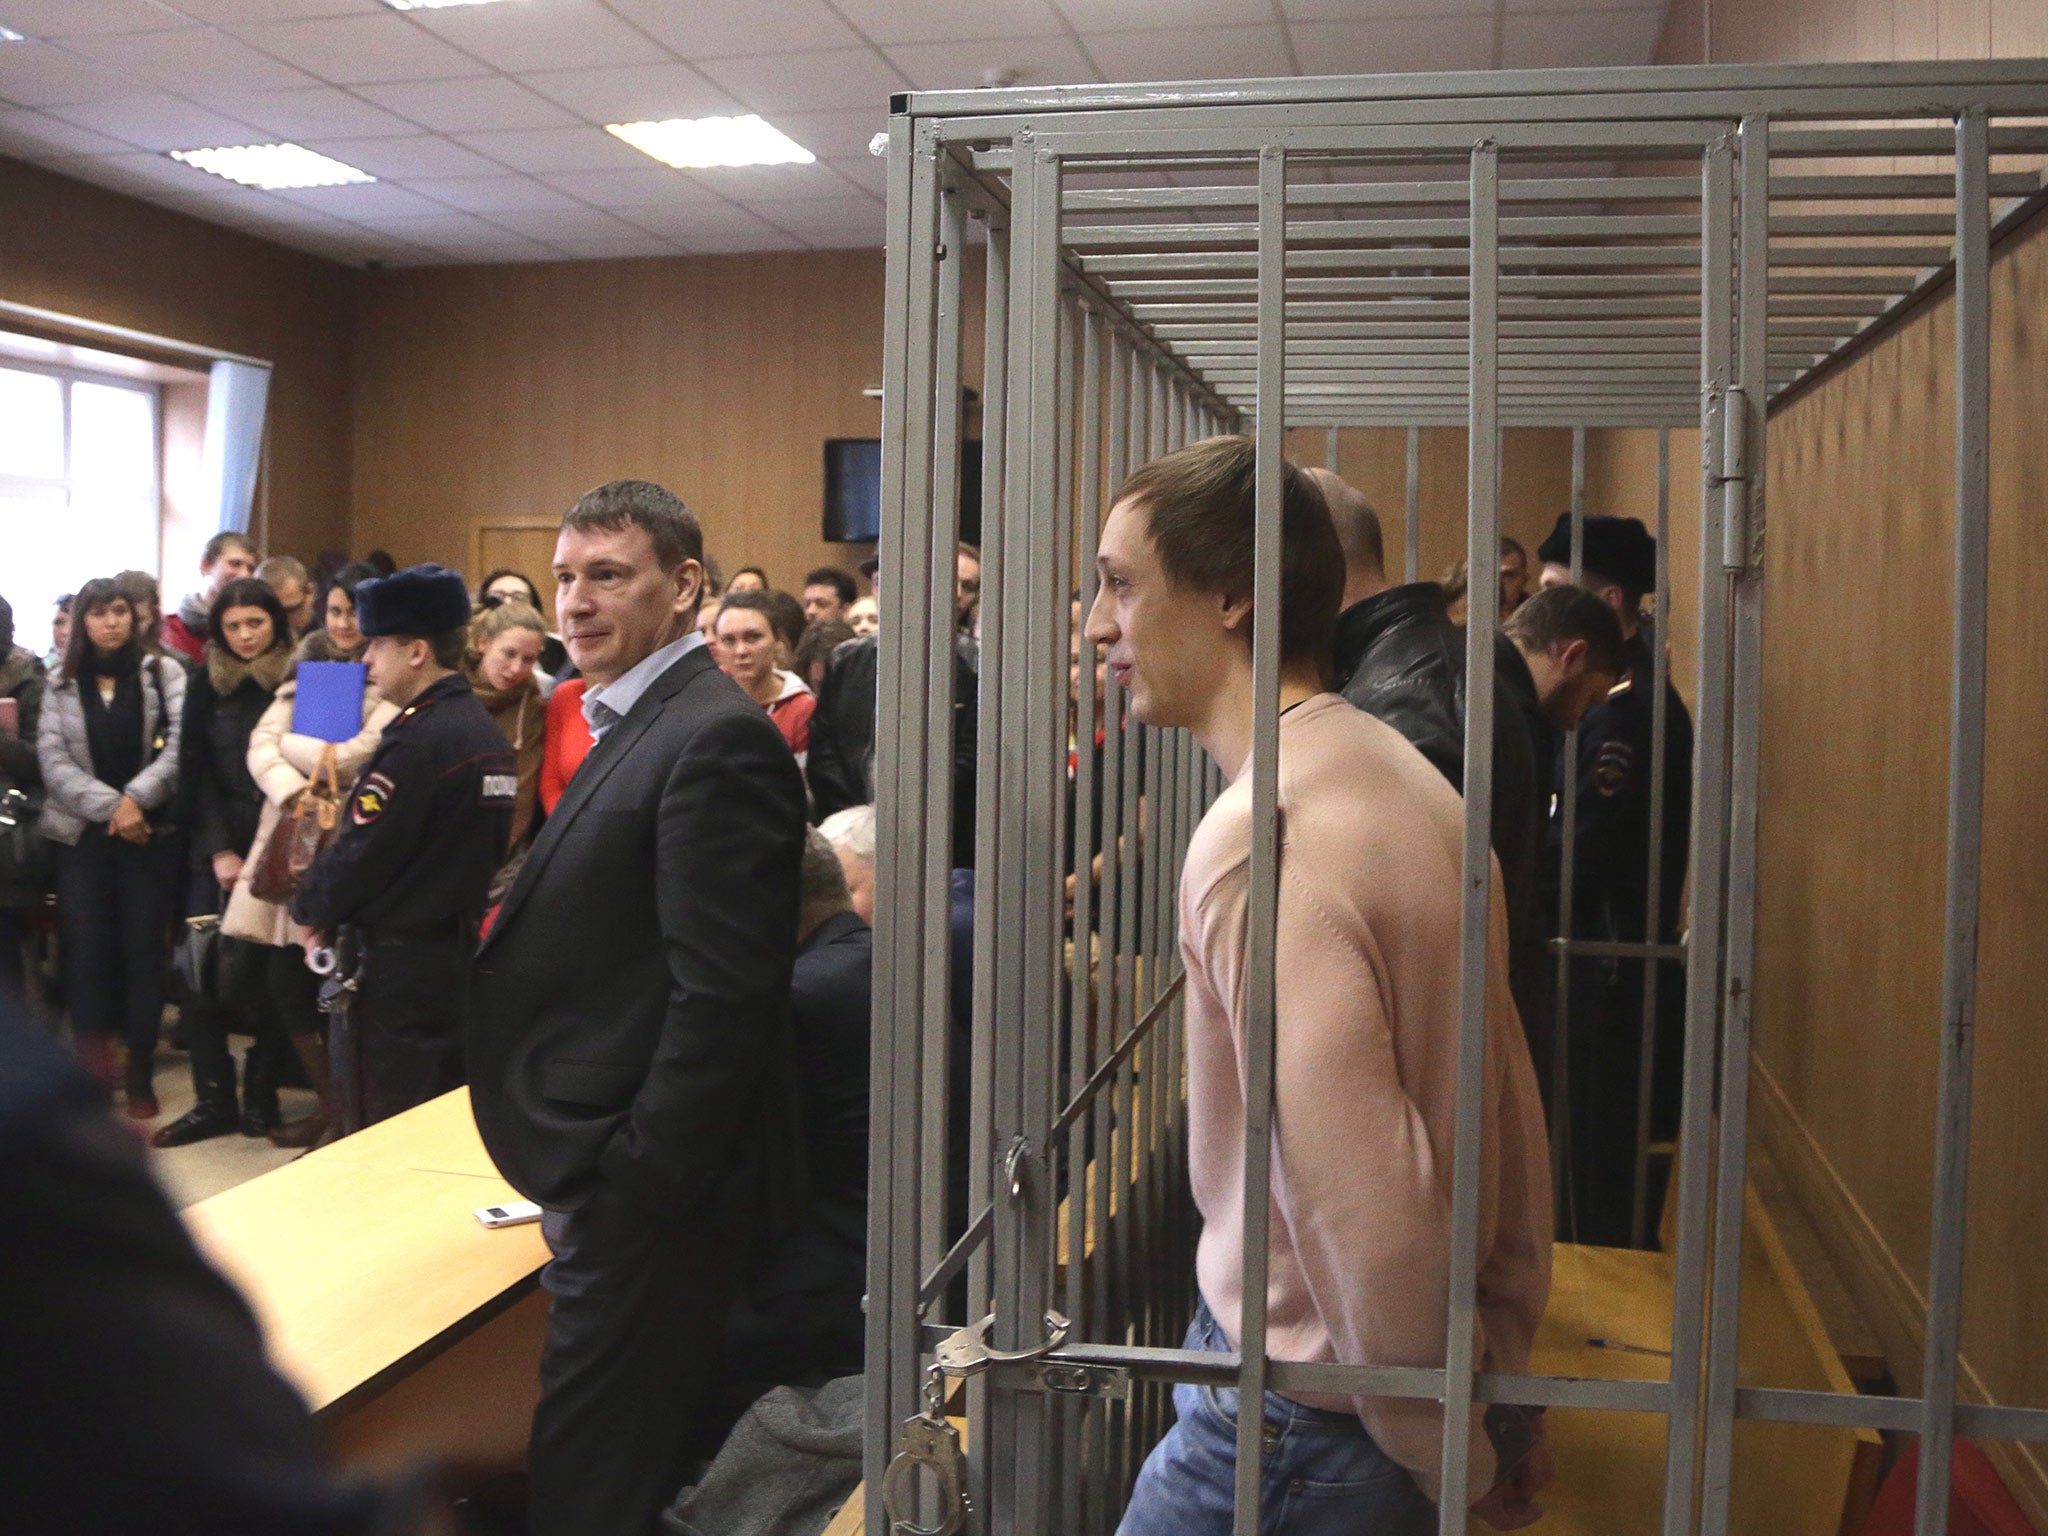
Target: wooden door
x,y
525,545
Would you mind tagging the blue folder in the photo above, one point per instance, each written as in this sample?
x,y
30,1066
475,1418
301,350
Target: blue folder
x,y
329,706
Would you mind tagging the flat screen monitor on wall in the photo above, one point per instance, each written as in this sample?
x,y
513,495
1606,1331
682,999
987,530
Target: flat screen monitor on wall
x,y
853,490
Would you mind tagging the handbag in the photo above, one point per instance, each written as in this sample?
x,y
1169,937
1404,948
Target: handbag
x,y
311,821
196,960
28,862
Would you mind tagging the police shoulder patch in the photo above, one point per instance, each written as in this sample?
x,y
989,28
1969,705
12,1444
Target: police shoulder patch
x,y
372,799
1614,767
501,787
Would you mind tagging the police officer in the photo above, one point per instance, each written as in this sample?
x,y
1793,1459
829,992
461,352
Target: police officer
x,y
1611,785
403,886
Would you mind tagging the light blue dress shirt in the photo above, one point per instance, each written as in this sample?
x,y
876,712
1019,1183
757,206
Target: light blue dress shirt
x,y
605,707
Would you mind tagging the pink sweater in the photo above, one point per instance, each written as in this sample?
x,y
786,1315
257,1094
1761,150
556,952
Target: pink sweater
x,y
1366,1077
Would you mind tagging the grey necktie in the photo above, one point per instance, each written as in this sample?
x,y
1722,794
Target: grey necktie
x,y
603,718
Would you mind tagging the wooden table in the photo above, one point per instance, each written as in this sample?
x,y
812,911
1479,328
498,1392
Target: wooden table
x,y
409,1328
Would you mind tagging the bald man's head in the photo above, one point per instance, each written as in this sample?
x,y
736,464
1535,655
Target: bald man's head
x,y
1358,535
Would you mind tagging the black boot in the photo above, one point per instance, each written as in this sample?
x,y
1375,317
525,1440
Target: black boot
x,y
260,1114
213,1089
141,1085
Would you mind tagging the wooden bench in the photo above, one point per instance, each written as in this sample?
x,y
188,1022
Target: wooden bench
x,y
410,1329
1790,1479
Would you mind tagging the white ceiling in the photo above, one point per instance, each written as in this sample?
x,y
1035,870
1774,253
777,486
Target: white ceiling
x,y
484,128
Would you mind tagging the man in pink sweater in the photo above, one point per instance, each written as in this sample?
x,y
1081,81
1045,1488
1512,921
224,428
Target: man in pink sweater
x,y
1367,1039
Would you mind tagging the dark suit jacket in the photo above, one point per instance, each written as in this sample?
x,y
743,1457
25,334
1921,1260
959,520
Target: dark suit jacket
x,y
630,1023
134,1398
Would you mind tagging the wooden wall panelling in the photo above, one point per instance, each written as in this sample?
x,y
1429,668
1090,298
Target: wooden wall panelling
x,y
1852,830
81,250
488,394
1536,485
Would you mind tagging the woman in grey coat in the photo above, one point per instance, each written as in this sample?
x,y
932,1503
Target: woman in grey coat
x,y
107,744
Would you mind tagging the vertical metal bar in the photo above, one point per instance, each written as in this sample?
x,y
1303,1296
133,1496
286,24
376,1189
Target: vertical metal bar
x,y
1262,920
934,947
1482,597
1965,820
1330,449
1709,850
1653,917
892,1343
1412,559
1737,989
1568,812
988,758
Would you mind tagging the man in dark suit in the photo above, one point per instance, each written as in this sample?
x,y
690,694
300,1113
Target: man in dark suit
x,y
631,1060
799,1322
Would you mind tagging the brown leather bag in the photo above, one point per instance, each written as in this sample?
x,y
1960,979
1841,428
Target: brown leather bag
x,y
311,820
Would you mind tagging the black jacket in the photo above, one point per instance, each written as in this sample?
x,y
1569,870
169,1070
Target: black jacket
x,y
630,1017
21,679
135,1400
426,825
841,765
1610,873
220,804
1403,660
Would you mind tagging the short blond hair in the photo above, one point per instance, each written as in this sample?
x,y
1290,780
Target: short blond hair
x,y
493,622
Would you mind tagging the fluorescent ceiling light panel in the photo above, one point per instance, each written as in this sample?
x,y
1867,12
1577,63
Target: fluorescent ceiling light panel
x,y
9,35
701,143
273,167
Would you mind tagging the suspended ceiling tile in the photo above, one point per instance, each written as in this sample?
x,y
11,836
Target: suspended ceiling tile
x,y
748,185
695,224
832,222
1394,46
657,186
157,121
487,104
402,159
941,21
370,200
574,222
563,34
34,74
1565,39
1192,53
321,112
224,12
799,82
547,150
710,31
864,170
493,194
362,50
617,248
640,93
1131,15
194,61
1348,10
38,136
1013,60
86,18
835,135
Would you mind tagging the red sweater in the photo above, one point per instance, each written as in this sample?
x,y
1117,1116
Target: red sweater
x,y
568,742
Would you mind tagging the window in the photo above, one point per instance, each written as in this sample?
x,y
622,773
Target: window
x,y
79,486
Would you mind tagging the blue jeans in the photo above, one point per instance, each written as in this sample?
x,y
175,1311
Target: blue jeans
x,y
1324,1476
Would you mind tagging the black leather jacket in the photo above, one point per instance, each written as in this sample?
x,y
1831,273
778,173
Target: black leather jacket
x,y
1399,657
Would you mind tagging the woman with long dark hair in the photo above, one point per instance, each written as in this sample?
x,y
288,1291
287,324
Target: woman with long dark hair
x,y
248,651
107,744
282,763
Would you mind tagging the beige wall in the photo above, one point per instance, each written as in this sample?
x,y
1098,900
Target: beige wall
x,y
80,250
1536,485
1855,742
507,391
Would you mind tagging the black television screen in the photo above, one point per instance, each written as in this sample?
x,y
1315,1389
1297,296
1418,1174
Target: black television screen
x,y
853,490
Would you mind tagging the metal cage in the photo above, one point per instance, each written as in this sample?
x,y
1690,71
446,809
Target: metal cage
x,y
1644,248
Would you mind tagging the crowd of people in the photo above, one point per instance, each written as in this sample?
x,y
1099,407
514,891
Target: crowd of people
x,y
627,900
